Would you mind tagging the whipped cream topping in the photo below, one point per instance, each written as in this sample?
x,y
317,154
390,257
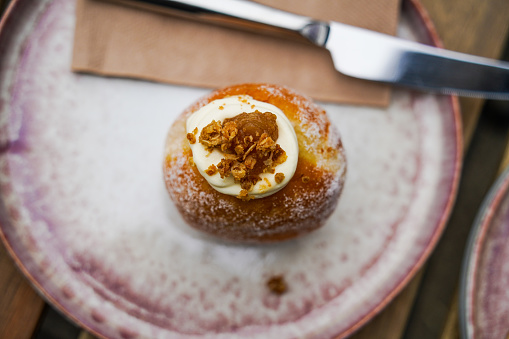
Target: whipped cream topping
x,y
229,107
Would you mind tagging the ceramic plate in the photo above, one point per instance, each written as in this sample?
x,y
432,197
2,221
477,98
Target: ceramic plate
x,y
484,294
85,214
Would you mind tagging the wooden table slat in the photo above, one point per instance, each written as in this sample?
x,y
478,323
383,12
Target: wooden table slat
x,y
20,306
458,23
391,322
474,27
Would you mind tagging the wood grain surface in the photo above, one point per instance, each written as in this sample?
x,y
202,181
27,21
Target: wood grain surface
x,y
479,28
20,306
3,5
471,26
468,26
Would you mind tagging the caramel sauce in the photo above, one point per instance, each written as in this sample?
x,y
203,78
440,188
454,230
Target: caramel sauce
x,y
254,125
248,141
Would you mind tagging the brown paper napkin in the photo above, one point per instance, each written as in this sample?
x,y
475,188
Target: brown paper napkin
x,y
112,39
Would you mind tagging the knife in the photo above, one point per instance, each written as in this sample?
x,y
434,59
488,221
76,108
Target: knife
x,y
358,52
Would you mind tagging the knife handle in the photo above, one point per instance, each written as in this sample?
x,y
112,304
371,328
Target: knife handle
x,y
247,15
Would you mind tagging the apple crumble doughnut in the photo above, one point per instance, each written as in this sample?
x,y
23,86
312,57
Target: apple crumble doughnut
x,y
254,163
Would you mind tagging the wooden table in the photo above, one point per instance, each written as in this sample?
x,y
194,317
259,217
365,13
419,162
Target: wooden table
x,y
427,307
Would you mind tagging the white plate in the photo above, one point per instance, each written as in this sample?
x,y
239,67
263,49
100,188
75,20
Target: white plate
x,y
84,211
484,302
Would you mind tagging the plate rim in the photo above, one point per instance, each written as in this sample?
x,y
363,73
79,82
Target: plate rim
x,y
421,14
476,241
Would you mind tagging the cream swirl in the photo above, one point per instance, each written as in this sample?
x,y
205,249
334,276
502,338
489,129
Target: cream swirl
x,y
230,107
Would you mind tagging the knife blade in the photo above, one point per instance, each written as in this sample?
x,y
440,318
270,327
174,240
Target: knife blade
x,y
359,52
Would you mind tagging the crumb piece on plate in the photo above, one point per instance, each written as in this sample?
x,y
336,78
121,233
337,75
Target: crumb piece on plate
x,y
277,284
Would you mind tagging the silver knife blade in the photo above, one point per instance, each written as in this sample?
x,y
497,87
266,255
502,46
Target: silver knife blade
x,y
358,52
374,56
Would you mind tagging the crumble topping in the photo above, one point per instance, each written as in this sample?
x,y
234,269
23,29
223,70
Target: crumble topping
x,y
211,170
234,137
192,136
279,177
243,195
277,284
248,143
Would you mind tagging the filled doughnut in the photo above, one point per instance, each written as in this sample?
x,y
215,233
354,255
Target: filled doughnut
x,y
254,163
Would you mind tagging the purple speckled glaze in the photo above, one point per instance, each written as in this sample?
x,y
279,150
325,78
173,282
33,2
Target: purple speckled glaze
x,y
84,211
485,296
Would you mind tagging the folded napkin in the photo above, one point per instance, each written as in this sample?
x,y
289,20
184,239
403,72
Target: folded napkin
x,y
115,39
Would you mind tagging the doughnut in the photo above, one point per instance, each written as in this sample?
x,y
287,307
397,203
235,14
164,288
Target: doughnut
x,y
254,163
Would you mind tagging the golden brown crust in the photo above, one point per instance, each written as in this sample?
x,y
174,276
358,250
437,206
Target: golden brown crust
x,y
300,207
